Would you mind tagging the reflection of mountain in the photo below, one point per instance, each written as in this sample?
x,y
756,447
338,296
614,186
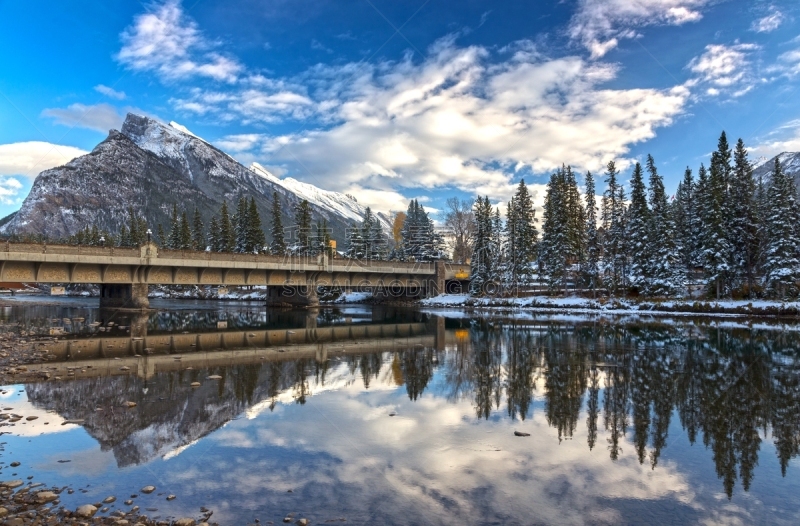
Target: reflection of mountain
x,y
170,413
729,388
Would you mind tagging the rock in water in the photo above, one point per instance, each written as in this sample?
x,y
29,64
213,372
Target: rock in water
x,y
86,511
148,489
521,434
46,496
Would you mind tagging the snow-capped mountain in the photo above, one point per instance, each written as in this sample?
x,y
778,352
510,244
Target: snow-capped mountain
x,y
151,166
790,164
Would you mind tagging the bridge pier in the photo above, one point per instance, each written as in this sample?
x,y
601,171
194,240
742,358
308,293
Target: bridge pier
x,y
296,296
124,296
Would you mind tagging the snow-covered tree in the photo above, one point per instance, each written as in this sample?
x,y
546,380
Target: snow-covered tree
x,y
198,232
637,229
420,241
716,251
613,224
484,250
686,221
278,245
302,224
781,261
745,222
591,266
522,237
665,274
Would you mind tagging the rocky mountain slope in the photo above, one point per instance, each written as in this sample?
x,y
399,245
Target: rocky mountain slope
x,y
790,163
151,166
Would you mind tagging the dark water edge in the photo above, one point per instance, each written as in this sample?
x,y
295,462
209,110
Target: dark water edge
x,y
632,420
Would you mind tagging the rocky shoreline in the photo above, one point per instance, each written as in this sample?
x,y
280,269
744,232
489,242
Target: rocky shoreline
x,y
35,504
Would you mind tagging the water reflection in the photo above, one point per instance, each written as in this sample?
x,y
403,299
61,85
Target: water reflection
x,y
618,386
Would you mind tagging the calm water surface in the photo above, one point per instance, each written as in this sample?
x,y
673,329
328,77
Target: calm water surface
x,y
631,420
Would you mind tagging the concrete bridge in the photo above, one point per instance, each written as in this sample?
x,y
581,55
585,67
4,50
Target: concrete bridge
x,y
125,273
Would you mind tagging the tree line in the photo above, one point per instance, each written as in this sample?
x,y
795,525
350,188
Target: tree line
x,y
734,235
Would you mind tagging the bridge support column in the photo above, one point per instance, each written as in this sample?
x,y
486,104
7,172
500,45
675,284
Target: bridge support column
x,y
296,296
436,283
124,296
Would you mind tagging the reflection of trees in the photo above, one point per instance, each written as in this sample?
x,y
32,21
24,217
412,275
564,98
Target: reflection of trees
x,y
521,365
565,381
486,373
417,370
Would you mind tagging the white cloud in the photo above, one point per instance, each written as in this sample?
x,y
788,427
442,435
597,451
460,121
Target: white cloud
x,y
457,120
29,158
600,24
789,63
167,42
100,117
771,22
785,138
9,190
110,92
724,69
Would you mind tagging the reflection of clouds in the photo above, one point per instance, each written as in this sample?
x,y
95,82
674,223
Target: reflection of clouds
x,y
426,466
81,463
47,422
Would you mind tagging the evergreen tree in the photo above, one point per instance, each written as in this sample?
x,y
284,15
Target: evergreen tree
x,y
174,241
716,249
745,222
553,249
666,277
198,232
637,229
484,251
214,237
302,220
591,268
372,236
355,243
241,225
124,237
781,261
322,238
522,237
613,224
686,222
497,244
227,236
185,236
278,246
420,241
255,234
162,238
94,236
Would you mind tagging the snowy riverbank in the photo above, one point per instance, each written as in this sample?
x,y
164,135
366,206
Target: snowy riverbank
x,y
622,306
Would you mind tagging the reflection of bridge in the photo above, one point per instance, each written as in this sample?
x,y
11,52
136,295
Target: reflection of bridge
x,y
125,273
148,355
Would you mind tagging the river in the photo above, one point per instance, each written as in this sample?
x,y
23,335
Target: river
x,y
378,415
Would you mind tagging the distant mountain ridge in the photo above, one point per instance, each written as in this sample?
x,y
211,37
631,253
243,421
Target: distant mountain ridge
x,y
151,166
790,164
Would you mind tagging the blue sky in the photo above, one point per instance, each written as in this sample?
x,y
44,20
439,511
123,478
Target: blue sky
x,y
392,100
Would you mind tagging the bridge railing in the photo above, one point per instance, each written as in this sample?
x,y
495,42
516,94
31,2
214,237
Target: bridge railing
x,y
352,265
81,250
